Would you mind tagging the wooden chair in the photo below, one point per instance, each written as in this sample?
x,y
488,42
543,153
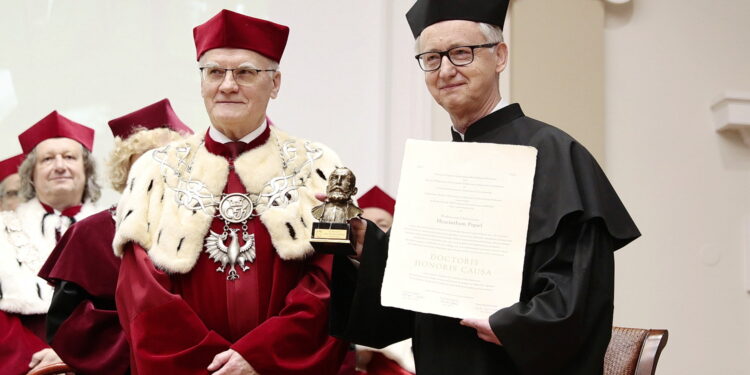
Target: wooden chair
x,y
55,368
634,351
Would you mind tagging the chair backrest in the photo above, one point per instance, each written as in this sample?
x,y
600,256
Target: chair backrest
x,y
55,368
634,351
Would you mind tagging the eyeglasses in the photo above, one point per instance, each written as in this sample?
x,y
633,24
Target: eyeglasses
x,y
458,56
243,76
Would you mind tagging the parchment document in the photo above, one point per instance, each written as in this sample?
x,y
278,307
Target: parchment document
x,y
459,233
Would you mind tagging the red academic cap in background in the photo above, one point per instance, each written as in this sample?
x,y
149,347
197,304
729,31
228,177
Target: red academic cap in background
x,y
376,197
56,125
153,116
10,166
228,29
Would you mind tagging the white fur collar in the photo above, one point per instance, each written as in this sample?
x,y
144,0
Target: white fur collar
x,y
148,212
23,251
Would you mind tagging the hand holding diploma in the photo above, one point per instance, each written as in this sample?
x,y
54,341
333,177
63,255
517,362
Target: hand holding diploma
x,y
458,240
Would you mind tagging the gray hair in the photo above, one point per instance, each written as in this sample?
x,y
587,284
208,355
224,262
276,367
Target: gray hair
x,y
492,34
273,65
91,192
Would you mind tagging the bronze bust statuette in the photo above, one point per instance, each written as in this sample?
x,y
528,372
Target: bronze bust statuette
x,y
332,233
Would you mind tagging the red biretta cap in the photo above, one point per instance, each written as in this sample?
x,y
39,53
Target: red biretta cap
x,y
228,29
10,166
153,116
376,197
56,125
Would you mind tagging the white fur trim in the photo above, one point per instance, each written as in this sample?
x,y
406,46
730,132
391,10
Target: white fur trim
x,y
162,226
149,215
23,251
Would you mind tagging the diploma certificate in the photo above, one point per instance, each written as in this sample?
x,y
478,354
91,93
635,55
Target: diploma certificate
x,y
458,239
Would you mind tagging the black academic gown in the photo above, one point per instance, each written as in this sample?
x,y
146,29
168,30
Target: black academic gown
x,y
563,320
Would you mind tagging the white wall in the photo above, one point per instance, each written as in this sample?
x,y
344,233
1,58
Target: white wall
x,y
685,185
334,79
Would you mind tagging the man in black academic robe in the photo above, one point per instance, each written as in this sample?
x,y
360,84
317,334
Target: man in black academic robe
x,y
562,322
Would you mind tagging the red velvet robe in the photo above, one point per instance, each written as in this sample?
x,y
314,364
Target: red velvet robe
x,y
21,335
17,344
83,268
381,365
275,315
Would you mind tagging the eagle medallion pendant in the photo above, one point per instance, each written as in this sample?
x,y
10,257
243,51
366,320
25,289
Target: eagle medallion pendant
x,y
232,255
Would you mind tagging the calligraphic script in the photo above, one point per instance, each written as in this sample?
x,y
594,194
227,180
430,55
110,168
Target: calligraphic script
x,y
458,239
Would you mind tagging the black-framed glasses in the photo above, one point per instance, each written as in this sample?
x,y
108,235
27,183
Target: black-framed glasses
x,y
458,56
243,76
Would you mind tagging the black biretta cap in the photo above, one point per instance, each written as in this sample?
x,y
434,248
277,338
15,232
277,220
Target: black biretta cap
x,y
427,12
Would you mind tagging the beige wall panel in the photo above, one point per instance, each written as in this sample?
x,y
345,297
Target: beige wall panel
x,y
685,185
557,52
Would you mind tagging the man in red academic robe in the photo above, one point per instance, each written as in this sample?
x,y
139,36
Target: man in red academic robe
x,y
58,181
217,273
82,323
10,183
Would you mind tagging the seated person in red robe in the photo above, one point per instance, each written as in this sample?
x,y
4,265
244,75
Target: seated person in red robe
x,y
217,273
58,182
82,324
397,358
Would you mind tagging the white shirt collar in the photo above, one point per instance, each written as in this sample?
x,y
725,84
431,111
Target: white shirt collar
x,y
218,136
502,104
